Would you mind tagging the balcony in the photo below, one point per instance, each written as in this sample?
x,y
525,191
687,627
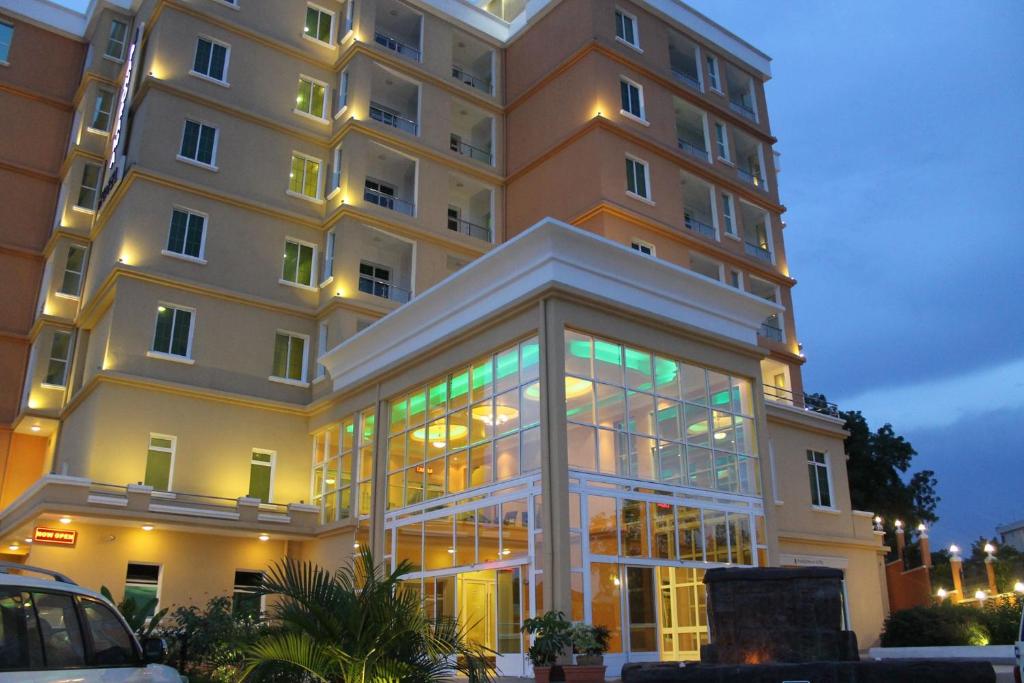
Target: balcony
x,y
756,227
740,87
385,266
469,207
771,329
698,210
757,251
749,160
811,402
683,57
472,133
742,109
750,176
701,225
690,126
394,101
472,63
399,29
390,180
385,289
393,119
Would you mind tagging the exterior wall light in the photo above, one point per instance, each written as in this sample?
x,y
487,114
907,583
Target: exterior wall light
x,y
1018,587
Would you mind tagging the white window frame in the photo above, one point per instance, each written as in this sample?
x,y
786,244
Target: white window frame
x,y
235,586
323,10
96,190
174,456
639,246
342,93
233,4
119,58
312,266
66,361
636,29
349,17
97,110
212,166
321,348
272,465
227,60
328,271
81,274
327,99
335,187
739,278
722,144
167,355
714,73
647,197
201,259
827,465
642,116
729,216
304,382
6,60
318,199
159,576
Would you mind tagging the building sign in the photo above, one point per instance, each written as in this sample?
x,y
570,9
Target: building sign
x,y
790,560
44,534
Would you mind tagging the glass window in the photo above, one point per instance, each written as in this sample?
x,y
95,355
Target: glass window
x,y
343,449
343,91
632,98
643,248
102,109
19,632
6,37
211,59
198,142
58,626
713,80
186,234
245,599
298,262
818,471
625,28
261,474
74,266
727,212
60,358
636,177
304,177
606,601
290,357
173,334
111,642
318,23
142,584
116,40
89,190
160,461
311,97
328,257
722,141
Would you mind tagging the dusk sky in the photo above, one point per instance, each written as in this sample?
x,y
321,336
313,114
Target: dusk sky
x,y
899,125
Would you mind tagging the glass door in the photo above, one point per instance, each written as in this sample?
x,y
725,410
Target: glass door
x,y
641,609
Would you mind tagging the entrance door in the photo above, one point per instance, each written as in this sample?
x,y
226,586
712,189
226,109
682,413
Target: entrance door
x,y
682,613
476,604
641,610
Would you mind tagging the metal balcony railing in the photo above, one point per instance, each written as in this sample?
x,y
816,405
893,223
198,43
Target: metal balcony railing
x,y
687,79
392,119
742,109
469,79
384,289
701,226
396,45
770,329
468,228
748,177
690,148
468,150
389,201
757,251
812,402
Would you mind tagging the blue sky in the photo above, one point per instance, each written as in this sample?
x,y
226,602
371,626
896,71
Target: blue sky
x,y
902,150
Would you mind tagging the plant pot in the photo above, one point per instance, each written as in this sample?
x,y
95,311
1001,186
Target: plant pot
x,y
584,673
590,660
542,674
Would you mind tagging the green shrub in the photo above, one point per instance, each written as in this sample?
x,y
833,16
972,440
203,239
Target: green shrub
x,y
993,624
1002,620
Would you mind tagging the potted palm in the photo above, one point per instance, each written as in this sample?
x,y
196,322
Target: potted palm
x,y
551,638
589,642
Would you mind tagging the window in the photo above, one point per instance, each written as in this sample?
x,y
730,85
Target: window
x,y
19,631
329,256
643,247
199,143
343,91
186,234
211,59
311,97
298,263
706,267
89,191
62,635
349,11
290,356
727,214
115,43
261,474
246,601
722,141
632,98
625,28
364,464
142,584
111,642
102,110
6,37
321,347
334,458
60,358
318,24
71,283
173,335
304,178
374,279
713,80
736,279
636,178
820,476
160,461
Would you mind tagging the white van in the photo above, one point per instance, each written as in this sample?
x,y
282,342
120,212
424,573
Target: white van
x,y
1018,653
53,631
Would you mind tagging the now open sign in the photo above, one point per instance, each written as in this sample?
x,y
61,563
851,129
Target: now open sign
x,y
44,534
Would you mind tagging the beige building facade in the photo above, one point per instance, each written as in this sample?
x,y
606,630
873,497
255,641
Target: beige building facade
x,y
500,290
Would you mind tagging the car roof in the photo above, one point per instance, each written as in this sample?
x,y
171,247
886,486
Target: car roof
x,y
28,582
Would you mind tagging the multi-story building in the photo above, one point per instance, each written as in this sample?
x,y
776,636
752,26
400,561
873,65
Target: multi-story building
x,y
312,314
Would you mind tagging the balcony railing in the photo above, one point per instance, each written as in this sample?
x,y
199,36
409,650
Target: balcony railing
x,y
757,251
701,227
389,201
469,79
384,289
742,109
693,150
468,228
394,120
396,45
687,79
770,329
812,402
748,177
468,150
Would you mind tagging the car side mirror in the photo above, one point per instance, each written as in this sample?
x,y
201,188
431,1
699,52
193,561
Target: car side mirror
x,y
154,650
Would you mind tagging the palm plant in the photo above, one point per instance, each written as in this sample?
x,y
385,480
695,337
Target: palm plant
x,y
137,613
359,625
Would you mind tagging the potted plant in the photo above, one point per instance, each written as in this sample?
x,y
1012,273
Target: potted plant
x,y
551,638
589,642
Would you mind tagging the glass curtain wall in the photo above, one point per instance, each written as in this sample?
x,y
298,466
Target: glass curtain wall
x,y
338,449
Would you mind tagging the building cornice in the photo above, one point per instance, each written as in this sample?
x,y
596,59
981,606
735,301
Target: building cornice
x,y
807,420
835,541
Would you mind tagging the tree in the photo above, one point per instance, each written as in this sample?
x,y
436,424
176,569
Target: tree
x,y
358,625
877,463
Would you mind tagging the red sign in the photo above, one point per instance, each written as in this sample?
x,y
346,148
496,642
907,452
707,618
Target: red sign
x,y
44,534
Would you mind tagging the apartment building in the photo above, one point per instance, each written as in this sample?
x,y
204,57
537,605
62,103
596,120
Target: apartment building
x,y
499,288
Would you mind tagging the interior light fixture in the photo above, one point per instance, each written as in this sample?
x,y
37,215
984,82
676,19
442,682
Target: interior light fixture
x,y
435,433
451,551
500,415
355,545
506,551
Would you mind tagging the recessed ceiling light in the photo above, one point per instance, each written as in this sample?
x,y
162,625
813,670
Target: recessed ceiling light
x,y
35,428
65,520
147,527
264,537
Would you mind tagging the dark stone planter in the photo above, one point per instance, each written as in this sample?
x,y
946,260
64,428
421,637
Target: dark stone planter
x,y
542,674
905,671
